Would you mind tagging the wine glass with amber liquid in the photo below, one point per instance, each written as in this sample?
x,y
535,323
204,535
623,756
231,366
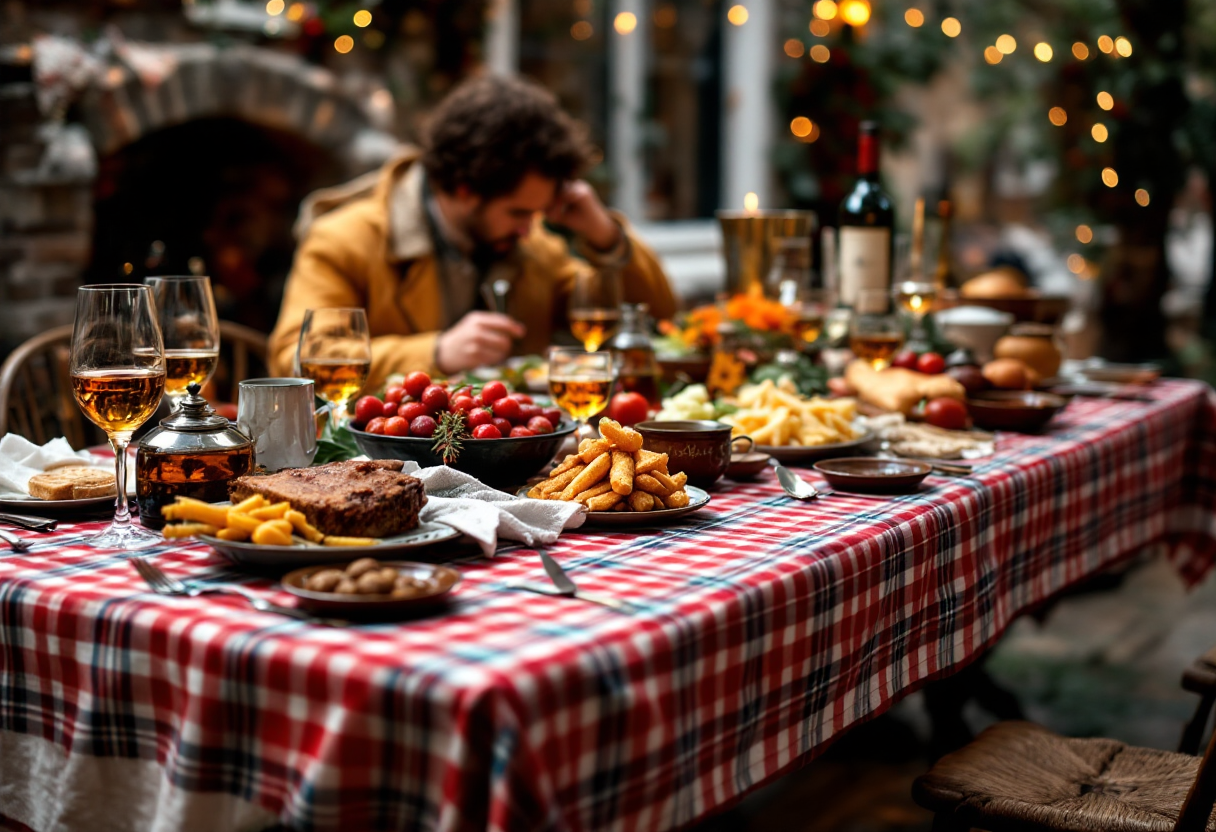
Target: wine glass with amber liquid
x,y
580,382
916,298
118,376
335,351
595,306
875,335
191,330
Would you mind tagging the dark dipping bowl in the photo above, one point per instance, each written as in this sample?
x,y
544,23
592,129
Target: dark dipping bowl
x,y
1023,411
497,462
699,448
867,474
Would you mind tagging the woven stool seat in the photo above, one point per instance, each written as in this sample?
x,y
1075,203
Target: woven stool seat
x,y
1019,776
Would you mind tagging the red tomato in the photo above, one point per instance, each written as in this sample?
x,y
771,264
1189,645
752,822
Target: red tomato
x,y
539,424
628,408
502,424
486,431
376,425
462,404
368,408
554,415
520,430
507,408
415,383
950,414
435,397
396,426
527,411
479,416
522,398
412,410
394,394
390,410
422,426
905,359
465,390
931,364
493,391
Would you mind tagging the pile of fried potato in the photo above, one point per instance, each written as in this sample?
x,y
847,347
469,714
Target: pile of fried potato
x,y
614,473
255,519
774,414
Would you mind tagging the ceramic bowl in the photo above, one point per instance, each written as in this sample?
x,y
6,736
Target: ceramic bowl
x,y
1023,411
747,465
869,474
975,327
701,449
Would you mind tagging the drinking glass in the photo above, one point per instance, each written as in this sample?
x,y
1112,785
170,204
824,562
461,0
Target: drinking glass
x,y
876,335
580,382
335,351
595,306
118,376
916,297
191,329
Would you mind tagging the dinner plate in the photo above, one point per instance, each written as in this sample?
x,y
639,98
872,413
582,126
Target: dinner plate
x,y
440,581
302,554
810,453
32,505
697,498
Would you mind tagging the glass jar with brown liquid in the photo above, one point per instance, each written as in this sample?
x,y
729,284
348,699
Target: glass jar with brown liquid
x,y
637,368
193,453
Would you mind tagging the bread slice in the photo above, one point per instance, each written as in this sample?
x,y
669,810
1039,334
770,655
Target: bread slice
x,y
77,482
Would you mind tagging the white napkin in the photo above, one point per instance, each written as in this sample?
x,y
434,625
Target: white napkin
x,y
21,459
483,513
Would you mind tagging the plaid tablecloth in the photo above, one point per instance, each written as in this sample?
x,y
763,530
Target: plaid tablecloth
x,y
765,628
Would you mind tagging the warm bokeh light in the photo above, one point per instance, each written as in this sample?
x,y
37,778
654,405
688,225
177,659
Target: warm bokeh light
x,y
666,16
992,55
1105,43
855,12
751,202
824,9
363,18
1109,178
1043,52
794,48
737,15
295,12
1098,131
914,18
274,8
1080,51
344,44
951,27
581,30
1142,197
127,268
801,127
626,22
1076,263
1006,44
1057,116
1085,234
1105,100
820,53
1124,47
820,28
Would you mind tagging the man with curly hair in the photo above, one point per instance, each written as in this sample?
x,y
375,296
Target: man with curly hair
x,y
418,243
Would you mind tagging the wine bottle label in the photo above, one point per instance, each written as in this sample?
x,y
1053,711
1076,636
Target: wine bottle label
x,y
865,266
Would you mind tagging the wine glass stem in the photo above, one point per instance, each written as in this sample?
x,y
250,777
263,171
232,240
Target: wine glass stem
x,y
119,442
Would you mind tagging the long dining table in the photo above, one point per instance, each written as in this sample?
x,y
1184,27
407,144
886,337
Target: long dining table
x,y
762,629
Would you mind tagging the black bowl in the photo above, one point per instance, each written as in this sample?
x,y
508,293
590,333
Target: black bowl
x,y
506,461
1022,411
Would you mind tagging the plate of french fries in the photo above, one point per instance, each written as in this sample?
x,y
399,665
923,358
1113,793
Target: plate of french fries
x,y
793,428
619,482
256,532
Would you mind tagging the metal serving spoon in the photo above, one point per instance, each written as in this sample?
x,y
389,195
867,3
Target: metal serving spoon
x,y
795,486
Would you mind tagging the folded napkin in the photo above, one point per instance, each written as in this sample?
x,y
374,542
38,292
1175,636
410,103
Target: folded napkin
x,y
20,459
485,514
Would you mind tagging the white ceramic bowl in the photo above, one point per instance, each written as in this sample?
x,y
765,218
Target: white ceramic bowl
x,y
975,327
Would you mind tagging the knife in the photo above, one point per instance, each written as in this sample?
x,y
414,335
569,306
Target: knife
x,y
26,521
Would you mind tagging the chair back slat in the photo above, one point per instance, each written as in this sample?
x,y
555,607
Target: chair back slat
x,y
36,391
1197,808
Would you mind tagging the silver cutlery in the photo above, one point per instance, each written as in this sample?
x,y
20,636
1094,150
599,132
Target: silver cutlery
x,y
565,587
17,544
495,294
162,584
795,486
30,522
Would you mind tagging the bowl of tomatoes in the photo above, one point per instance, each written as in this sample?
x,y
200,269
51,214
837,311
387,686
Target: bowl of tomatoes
x,y
504,437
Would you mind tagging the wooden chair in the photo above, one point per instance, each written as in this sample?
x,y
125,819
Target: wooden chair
x,y
36,398
1199,678
1019,777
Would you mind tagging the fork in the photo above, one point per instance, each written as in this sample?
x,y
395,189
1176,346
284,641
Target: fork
x,y
162,584
17,544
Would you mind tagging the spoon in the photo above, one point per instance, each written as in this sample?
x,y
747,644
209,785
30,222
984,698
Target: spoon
x,y
794,485
496,294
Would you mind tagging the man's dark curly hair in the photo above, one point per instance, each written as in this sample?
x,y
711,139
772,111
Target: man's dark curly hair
x,y
490,132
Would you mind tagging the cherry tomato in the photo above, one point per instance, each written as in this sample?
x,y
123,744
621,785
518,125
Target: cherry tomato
x,y
539,424
486,431
905,359
527,411
376,425
435,397
415,383
522,398
950,414
465,390
412,410
502,424
390,409
931,364
507,408
628,408
462,404
396,426
394,393
422,426
520,430
479,416
368,408
493,391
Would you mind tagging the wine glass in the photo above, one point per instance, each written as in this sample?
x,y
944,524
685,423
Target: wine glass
x,y
580,382
191,330
118,376
876,335
595,306
335,351
916,297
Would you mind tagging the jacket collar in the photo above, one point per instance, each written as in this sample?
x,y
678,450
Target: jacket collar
x,y
409,233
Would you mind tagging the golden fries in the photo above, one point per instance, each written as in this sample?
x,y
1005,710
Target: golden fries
x,y
253,519
774,414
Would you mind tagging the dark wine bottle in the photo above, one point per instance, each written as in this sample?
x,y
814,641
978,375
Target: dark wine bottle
x,y
867,223
943,275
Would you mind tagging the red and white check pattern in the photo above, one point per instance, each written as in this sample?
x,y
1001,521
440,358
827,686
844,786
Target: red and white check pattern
x,y
766,627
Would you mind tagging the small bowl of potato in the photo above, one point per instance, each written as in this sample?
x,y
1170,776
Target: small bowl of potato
x,y
369,587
